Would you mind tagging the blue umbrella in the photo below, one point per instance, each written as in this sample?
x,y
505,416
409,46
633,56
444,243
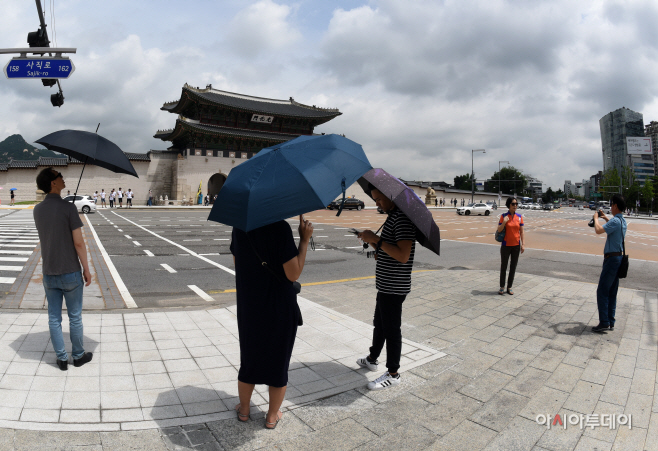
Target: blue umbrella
x,y
289,179
13,189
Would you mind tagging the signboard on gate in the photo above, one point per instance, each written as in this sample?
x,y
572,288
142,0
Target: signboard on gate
x,y
20,67
639,145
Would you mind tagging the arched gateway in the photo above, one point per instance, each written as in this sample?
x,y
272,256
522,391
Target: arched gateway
x,y
215,183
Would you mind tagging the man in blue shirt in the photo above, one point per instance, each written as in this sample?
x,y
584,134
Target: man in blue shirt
x,y
606,293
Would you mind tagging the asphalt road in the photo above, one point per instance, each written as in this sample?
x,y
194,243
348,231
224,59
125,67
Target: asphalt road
x,y
160,254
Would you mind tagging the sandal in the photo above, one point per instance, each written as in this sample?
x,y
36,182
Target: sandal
x,y
269,425
501,291
509,291
242,417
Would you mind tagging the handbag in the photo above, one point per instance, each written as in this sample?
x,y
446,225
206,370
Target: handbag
x,y
622,272
500,236
295,285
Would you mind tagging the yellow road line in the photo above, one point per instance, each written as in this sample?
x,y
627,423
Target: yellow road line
x,y
322,283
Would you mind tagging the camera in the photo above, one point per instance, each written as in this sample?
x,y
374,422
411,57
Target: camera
x,y
591,221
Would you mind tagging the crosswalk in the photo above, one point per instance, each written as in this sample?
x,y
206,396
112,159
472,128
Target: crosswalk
x,y
18,240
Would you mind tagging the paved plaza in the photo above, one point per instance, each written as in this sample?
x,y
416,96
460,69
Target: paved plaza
x,y
477,368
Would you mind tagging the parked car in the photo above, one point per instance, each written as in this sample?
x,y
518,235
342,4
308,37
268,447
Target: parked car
x,y
548,207
350,203
85,204
536,207
475,209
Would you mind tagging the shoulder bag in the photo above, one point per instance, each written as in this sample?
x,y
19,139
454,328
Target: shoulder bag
x,y
500,236
622,272
295,285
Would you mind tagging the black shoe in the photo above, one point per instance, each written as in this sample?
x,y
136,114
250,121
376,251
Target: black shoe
x,y
612,327
82,360
600,328
63,364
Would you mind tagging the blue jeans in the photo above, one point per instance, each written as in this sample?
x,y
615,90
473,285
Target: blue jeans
x,y
67,286
150,202
606,293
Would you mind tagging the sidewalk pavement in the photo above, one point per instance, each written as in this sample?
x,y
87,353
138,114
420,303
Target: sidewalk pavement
x,y
478,369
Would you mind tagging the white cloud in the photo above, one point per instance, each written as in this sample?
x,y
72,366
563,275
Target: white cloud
x,y
260,28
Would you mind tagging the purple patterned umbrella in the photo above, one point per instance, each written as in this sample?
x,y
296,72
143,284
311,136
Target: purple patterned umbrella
x,y
427,232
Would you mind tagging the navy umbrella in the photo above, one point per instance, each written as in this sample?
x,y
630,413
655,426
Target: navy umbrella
x,y
427,232
289,179
89,148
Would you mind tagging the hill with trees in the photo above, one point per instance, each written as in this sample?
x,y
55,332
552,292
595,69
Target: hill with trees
x,y
15,147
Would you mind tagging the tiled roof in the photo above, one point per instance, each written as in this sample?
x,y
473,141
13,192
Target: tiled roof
x,y
52,161
3,167
183,123
138,156
22,164
250,103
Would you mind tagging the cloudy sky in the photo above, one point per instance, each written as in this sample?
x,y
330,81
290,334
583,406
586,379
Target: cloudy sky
x,y
420,83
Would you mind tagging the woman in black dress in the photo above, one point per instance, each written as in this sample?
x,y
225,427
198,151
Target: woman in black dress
x,y
267,309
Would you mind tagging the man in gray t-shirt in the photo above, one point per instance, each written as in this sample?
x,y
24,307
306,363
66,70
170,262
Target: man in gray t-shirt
x,y
63,251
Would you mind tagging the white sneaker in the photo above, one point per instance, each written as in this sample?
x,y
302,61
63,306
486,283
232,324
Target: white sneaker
x,y
364,362
384,381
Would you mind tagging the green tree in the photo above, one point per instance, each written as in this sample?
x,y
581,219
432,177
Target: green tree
x,y
609,183
647,192
559,194
548,196
511,181
463,182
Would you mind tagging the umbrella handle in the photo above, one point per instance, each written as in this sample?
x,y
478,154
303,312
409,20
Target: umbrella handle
x,y
80,179
342,203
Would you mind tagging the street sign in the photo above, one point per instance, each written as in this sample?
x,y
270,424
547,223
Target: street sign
x,y
596,195
38,68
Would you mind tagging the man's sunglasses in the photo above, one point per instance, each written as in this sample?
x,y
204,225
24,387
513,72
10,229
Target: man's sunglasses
x,y
59,174
514,203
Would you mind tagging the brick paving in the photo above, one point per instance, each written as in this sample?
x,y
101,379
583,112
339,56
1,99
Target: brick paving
x,y
507,359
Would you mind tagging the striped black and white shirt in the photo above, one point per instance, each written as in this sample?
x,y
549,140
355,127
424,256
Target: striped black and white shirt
x,y
393,277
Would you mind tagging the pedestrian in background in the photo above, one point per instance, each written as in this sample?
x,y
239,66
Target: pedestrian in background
x,y
395,258
11,194
606,292
267,310
150,201
63,250
103,205
119,195
112,196
129,198
96,197
513,245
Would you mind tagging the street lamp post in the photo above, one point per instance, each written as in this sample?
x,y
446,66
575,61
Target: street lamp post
x,y
473,172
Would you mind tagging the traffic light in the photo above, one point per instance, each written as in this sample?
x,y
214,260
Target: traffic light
x,y
38,38
57,99
48,82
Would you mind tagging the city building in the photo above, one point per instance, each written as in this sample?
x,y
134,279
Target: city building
x,y
568,188
535,186
651,130
615,128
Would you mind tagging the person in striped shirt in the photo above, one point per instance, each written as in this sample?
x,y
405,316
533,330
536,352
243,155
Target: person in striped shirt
x,y
395,258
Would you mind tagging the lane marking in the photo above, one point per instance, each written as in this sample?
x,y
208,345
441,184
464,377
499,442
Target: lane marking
x,y
168,268
123,290
7,279
11,268
13,259
202,294
149,253
128,237
137,243
194,254
197,239
16,252
221,239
